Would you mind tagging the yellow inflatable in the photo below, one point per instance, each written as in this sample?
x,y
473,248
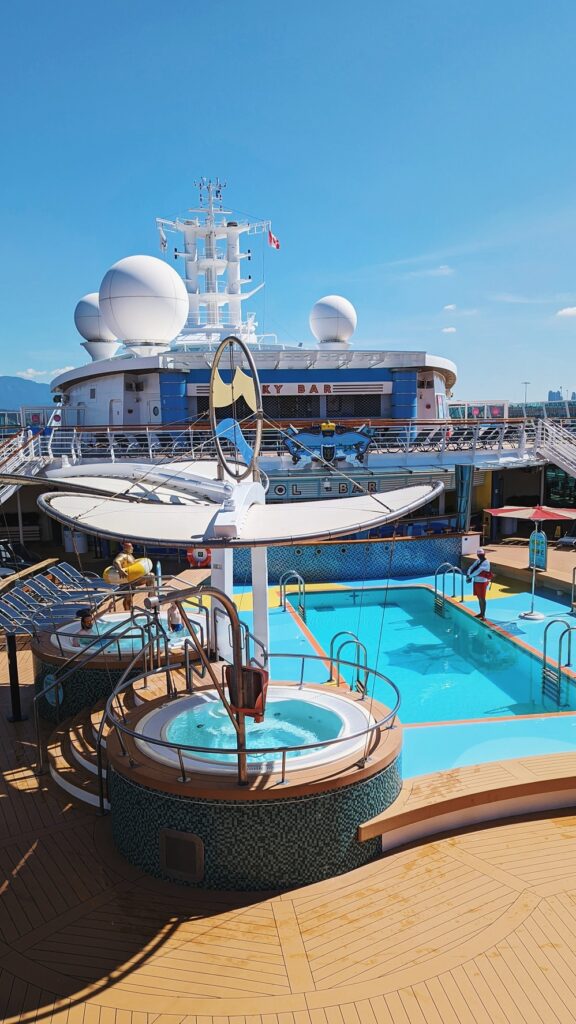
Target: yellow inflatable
x,y
141,567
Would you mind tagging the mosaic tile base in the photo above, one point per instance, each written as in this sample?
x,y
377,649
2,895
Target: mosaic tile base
x,y
82,689
259,844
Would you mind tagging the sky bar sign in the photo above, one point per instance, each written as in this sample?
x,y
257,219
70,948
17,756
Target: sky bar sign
x,y
310,388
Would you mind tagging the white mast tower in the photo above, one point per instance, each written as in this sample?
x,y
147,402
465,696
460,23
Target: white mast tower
x,y
212,260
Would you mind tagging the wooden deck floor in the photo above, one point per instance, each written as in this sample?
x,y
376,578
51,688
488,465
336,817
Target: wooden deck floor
x,y
477,927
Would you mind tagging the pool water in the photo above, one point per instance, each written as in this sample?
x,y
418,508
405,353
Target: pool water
x,y
447,668
288,723
129,643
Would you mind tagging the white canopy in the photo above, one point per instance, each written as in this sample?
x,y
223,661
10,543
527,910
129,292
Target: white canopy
x,y
177,525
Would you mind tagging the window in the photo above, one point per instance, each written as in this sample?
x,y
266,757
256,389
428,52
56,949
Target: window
x,y
357,406
291,407
92,392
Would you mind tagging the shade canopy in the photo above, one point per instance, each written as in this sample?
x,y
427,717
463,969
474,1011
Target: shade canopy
x,y
177,525
536,513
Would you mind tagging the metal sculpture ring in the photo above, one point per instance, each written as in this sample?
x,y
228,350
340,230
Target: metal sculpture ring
x,y
224,394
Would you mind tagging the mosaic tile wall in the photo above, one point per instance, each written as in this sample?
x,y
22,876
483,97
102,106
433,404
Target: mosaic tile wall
x,y
259,844
334,563
81,690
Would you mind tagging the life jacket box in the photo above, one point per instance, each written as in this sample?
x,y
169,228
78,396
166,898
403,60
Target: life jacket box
x,y
254,682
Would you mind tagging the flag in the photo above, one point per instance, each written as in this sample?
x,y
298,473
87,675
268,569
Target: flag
x,y
272,240
163,239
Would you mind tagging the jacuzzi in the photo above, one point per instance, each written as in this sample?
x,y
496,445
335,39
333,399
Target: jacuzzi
x,y
293,718
71,637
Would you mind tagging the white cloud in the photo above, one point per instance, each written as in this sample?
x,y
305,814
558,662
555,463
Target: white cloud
x,y
450,307
442,271
448,330
42,375
567,311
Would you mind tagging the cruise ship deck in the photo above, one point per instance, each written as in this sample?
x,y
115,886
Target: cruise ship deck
x,y
475,926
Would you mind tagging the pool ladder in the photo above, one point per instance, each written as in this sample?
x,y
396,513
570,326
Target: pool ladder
x,y
444,570
291,576
552,676
335,658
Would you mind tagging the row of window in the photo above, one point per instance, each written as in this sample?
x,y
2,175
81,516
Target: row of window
x,y
304,407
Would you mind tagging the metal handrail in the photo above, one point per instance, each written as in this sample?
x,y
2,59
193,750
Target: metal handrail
x,y
573,593
352,638
56,684
387,721
447,569
553,672
285,578
247,637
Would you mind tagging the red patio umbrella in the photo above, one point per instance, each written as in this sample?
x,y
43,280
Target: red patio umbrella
x,y
536,513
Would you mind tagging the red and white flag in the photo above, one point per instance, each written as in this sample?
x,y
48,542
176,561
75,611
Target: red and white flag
x,y
272,240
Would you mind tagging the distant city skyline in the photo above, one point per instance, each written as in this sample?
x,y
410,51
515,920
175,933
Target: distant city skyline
x,y
417,158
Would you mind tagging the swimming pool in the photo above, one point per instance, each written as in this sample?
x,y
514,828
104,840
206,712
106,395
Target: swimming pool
x,y
448,667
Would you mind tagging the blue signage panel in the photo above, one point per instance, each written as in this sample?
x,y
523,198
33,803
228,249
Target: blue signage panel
x,y
538,550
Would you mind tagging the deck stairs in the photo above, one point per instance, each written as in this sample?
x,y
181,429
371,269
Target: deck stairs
x,y
72,747
21,454
556,444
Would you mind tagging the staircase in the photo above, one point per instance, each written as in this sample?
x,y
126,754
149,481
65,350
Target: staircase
x,y
556,444
72,747
23,455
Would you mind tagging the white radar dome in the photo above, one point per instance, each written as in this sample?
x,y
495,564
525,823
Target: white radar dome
x,y
333,320
89,320
145,302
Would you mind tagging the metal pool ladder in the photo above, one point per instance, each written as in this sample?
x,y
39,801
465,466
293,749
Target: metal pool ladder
x,y
444,570
291,576
552,673
351,638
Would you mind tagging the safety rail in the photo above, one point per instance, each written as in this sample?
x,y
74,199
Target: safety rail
x,y
444,570
122,730
56,683
194,440
351,638
248,636
552,674
573,593
292,576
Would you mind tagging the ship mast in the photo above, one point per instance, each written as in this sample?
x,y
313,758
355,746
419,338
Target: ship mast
x,y
212,259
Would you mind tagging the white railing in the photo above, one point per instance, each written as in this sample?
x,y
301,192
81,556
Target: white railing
x,y
557,443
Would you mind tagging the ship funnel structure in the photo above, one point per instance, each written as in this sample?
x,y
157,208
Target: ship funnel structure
x,y
145,303
100,342
333,322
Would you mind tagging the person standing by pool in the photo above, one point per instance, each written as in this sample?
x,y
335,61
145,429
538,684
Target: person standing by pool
x,y
124,558
480,575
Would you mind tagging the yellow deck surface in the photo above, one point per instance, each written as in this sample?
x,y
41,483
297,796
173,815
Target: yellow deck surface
x,y
476,927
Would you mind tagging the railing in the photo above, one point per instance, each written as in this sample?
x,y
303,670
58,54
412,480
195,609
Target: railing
x,y
444,570
59,678
247,636
552,674
557,444
351,638
573,593
292,576
278,753
389,437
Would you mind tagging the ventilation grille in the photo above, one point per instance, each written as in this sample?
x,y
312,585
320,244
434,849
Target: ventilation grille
x,y
182,855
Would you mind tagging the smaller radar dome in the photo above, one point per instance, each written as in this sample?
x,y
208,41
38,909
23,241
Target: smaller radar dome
x,y
145,302
333,321
89,320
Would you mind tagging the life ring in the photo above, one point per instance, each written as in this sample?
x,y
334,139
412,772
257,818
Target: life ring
x,y
199,558
141,567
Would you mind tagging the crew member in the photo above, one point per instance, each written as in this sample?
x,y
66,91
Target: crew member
x,y
480,575
124,558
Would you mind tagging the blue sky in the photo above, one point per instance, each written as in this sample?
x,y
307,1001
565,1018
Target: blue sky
x,y
418,157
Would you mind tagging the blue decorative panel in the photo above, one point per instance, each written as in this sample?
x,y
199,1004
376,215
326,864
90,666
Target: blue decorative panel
x,y
336,563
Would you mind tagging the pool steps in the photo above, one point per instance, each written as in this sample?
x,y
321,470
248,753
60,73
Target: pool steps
x,y
72,750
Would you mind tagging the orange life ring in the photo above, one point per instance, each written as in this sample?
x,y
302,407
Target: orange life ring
x,y
199,558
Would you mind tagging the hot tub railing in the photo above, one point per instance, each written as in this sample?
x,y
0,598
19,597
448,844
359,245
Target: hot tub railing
x,y
351,638
280,753
70,667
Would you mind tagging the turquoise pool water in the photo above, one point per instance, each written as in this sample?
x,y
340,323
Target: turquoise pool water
x,y
288,723
447,668
129,643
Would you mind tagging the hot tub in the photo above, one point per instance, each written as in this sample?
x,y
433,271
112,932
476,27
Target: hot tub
x,y
71,637
294,718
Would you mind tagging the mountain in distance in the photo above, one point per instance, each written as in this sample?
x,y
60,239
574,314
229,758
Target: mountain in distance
x,y
15,391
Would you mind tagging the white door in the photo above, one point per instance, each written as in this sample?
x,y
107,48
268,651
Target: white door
x,y
115,412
